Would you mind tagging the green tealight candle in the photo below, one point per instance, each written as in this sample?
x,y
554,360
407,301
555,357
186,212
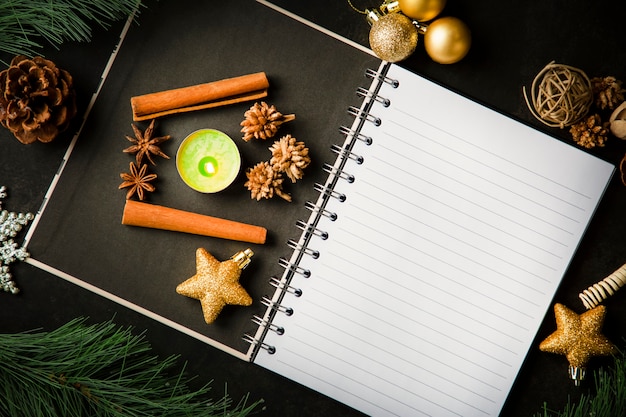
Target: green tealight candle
x,y
208,160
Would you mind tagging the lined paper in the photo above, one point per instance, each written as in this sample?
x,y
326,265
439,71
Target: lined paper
x,y
443,259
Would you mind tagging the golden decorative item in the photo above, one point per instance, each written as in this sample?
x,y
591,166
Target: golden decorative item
x,y
560,95
447,40
393,37
397,24
421,10
579,338
216,283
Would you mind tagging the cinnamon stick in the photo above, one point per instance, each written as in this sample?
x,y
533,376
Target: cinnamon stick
x,y
201,96
159,217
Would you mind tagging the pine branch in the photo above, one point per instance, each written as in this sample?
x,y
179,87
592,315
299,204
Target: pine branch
x,y
608,400
27,25
98,370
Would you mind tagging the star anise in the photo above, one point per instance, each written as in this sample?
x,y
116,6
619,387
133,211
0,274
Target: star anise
x,y
137,181
145,145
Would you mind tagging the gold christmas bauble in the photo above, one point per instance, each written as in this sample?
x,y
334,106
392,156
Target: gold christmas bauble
x,y
421,10
393,37
447,40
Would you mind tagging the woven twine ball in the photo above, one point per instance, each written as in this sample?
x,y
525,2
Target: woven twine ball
x,y
561,95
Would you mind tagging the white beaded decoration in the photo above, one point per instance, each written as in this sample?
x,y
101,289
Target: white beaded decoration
x,y
599,291
10,225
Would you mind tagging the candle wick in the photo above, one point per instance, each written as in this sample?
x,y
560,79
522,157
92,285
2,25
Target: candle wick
x,y
208,166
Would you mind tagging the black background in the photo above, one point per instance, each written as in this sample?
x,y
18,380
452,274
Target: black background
x,y
512,41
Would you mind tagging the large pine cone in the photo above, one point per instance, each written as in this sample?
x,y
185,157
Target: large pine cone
x,y
37,99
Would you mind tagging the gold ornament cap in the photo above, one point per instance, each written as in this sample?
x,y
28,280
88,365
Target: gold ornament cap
x,y
577,374
390,6
243,258
372,16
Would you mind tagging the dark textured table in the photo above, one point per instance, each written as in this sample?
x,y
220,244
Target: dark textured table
x,y
512,41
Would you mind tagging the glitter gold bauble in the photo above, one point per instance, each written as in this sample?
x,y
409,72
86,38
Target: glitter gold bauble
x,y
447,40
217,283
421,10
578,337
393,37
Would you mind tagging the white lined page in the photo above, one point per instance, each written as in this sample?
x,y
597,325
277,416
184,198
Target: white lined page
x,y
442,262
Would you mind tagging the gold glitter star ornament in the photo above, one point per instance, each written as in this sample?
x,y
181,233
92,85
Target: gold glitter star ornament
x,y
216,283
579,338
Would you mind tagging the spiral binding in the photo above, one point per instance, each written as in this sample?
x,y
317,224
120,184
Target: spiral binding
x,y
309,228
599,291
347,131
273,327
297,292
269,348
275,306
356,112
300,248
377,75
338,173
324,212
346,153
365,93
331,193
294,268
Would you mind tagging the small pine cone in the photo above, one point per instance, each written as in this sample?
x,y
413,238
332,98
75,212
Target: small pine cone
x,y
290,156
590,132
607,92
262,121
264,182
37,100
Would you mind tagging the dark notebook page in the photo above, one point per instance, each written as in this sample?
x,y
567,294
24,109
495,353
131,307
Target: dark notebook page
x,y
79,235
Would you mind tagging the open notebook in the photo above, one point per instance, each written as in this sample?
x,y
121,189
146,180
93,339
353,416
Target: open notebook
x,y
434,243
431,255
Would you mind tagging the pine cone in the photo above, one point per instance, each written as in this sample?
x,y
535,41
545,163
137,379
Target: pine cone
x,y
607,92
290,157
264,182
262,121
37,100
590,132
